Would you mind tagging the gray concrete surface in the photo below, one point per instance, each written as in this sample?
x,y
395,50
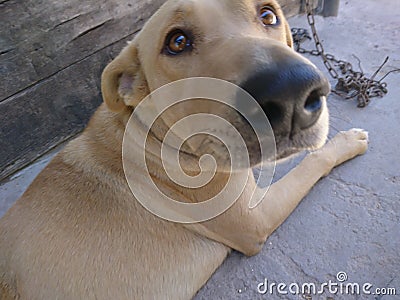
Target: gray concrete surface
x,y
350,222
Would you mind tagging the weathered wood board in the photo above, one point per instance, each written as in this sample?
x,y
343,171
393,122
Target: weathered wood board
x,y
51,57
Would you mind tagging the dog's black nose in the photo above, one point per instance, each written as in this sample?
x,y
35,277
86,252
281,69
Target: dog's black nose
x,y
291,93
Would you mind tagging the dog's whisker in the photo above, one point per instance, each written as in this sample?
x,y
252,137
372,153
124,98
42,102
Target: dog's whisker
x,y
335,130
340,118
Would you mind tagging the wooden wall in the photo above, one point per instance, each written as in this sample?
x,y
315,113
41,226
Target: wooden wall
x,y
52,53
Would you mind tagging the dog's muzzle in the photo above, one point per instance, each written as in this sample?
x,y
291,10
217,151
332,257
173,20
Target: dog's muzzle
x,y
291,92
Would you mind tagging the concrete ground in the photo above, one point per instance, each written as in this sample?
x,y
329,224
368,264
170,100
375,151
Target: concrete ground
x,y
350,222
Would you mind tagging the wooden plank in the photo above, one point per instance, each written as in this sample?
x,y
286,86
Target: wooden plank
x,y
51,56
50,65
39,38
51,112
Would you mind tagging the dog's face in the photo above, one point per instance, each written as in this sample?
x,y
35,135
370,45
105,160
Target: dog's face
x,y
246,42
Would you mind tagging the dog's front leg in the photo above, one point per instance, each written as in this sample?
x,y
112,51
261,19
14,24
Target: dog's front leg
x,y
284,196
245,229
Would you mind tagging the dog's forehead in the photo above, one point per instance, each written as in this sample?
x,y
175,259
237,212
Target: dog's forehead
x,y
234,5
204,15
224,5
210,8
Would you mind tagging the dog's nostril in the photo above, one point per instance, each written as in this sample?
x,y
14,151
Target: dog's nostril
x,y
314,102
274,112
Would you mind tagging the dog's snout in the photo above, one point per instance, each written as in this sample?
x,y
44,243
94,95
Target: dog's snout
x,y
291,93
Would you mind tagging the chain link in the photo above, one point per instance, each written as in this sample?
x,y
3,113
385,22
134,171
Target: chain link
x,y
350,83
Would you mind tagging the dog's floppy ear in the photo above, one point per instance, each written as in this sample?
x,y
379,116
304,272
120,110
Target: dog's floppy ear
x,y
289,39
123,82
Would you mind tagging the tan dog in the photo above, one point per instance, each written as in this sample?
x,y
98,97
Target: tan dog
x,y
78,232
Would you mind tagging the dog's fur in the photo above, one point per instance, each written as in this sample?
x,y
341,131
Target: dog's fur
x,y
78,232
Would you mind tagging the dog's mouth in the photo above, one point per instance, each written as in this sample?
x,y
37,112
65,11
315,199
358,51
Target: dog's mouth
x,y
277,141
268,148
286,149
310,139
287,143
282,148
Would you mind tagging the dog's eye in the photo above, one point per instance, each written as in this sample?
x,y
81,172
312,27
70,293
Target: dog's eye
x,y
268,16
177,42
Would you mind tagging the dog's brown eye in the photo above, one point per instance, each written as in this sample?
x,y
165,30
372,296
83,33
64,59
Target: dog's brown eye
x,y
268,16
177,42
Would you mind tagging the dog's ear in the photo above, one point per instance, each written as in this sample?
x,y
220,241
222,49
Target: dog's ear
x,y
289,39
123,82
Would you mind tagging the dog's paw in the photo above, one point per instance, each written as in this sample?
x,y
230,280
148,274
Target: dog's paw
x,y
347,145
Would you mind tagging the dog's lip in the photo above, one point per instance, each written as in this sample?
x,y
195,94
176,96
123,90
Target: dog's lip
x,y
288,146
287,153
181,151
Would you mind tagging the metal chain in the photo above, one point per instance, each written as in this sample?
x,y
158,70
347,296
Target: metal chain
x,y
350,83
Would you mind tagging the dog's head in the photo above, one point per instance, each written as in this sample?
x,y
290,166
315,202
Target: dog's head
x,y
246,42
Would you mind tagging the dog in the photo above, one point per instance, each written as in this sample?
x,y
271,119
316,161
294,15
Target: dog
x,y
78,232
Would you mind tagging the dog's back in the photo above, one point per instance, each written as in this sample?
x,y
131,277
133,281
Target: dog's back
x,y
78,232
